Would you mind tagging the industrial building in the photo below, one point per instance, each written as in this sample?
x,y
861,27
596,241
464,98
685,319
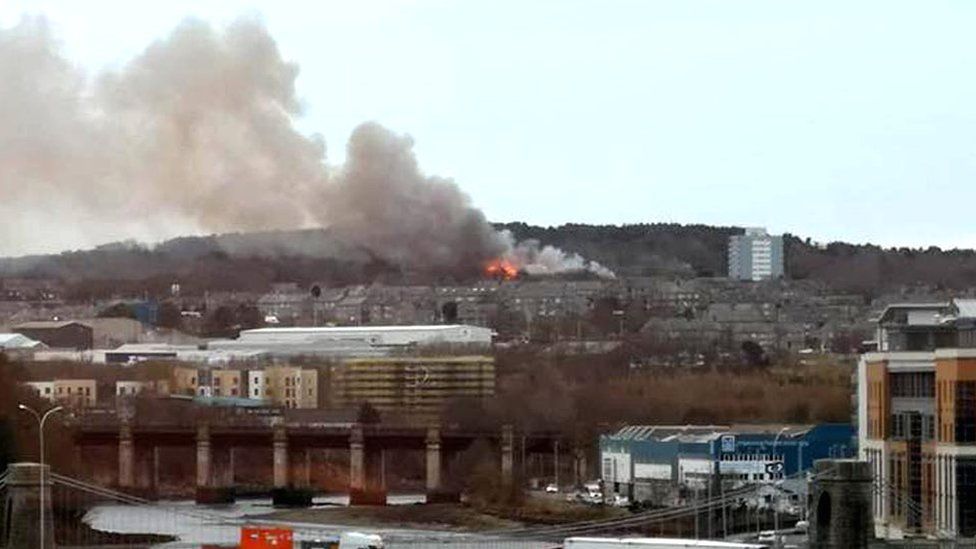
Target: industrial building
x,y
138,352
755,255
19,346
916,409
58,334
664,464
416,385
352,341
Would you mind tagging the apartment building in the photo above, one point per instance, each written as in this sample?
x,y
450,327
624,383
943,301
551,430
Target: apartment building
x,y
256,385
916,409
755,255
184,380
227,383
78,393
288,386
410,384
132,388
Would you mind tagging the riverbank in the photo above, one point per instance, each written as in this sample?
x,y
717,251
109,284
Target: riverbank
x,y
449,516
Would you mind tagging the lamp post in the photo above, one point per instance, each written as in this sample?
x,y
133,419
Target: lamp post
x,y
776,536
41,420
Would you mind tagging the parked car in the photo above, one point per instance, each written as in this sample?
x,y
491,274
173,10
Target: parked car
x,y
552,489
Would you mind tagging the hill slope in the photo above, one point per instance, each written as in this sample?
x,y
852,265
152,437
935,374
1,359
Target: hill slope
x,y
251,261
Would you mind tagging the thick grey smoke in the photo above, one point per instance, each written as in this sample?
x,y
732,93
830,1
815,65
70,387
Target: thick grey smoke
x,y
381,199
196,134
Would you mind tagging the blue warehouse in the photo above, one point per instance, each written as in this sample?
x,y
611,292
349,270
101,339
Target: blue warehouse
x,y
662,463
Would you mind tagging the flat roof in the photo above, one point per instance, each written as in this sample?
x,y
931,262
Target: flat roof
x,y
355,329
48,324
420,360
933,305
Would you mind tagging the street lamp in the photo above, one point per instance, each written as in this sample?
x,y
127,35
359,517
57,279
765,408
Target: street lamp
x,y
776,499
41,420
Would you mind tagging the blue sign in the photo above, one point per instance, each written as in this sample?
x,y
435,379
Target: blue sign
x,y
728,444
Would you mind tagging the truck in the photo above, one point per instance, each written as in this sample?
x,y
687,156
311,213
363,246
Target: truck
x,y
653,543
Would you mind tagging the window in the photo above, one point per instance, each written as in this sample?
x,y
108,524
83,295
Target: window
x,y
216,381
913,384
47,390
88,391
233,392
256,382
966,411
216,391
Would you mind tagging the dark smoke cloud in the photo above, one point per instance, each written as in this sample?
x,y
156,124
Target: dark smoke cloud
x,y
196,135
382,200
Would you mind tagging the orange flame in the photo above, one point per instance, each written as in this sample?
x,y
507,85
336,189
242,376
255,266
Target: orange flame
x,y
501,268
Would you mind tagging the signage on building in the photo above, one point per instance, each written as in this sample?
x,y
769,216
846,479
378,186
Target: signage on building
x,y
774,467
728,444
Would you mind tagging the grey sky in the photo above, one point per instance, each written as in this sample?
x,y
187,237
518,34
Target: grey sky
x,y
835,120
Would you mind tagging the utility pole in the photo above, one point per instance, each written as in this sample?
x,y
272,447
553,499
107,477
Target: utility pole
x,y
721,495
778,540
697,513
555,462
711,480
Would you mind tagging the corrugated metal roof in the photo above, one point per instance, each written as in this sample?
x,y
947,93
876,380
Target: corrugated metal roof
x,y
666,432
18,341
47,324
966,307
704,433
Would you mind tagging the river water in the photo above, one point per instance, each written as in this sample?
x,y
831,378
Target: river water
x,y
195,525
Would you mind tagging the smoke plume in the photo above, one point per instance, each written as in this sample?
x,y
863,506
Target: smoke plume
x,y
196,134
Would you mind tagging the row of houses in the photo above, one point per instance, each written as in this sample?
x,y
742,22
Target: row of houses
x,y
805,312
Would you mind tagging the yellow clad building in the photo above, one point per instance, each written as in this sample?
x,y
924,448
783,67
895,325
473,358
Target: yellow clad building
x,y
420,385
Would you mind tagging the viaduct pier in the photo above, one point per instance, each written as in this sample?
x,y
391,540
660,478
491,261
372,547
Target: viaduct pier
x,y
216,442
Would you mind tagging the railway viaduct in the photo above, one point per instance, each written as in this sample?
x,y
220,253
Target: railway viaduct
x,y
290,442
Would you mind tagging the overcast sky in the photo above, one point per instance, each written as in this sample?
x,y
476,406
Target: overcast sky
x,y
835,120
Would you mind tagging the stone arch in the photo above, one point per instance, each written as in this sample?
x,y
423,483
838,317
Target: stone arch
x,y
824,518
